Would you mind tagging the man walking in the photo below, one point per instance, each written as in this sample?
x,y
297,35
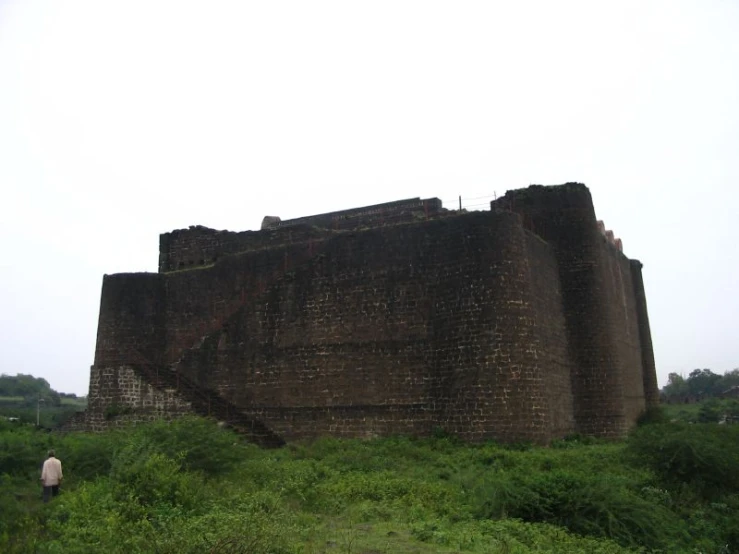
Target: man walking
x,y
51,476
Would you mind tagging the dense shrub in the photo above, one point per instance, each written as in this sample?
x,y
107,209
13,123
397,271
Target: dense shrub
x,y
654,414
584,503
22,450
512,536
101,517
86,456
701,456
199,444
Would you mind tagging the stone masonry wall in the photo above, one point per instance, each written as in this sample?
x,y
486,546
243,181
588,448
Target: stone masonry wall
x,y
200,246
651,388
557,365
516,324
379,215
624,330
485,334
119,396
200,301
131,326
599,303
393,330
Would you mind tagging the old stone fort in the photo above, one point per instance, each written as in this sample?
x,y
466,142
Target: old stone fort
x,y
522,323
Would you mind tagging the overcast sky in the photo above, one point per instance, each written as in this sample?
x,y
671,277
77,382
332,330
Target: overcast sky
x,y
123,120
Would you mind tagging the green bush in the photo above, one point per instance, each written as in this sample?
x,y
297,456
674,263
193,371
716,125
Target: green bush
x,y
584,503
703,456
710,411
198,443
655,414
86,456
101,517
512,536
153,479
22,450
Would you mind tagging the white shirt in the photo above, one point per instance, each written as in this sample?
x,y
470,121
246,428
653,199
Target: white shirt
x,y
51,474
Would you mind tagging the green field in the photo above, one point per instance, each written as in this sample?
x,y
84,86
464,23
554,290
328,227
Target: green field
x,y
709,411
191,487
50,416
11,400
32,400
77,403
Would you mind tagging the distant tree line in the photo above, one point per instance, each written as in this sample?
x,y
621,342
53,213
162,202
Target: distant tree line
x,y
30,399
30,388
700,384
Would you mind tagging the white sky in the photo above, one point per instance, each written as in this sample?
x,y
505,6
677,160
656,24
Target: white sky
x,y
123,120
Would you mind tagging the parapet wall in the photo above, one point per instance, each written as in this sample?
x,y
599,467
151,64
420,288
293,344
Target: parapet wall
x,y
389,213
200,246
523,323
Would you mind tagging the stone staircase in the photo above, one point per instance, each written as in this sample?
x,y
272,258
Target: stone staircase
x,y
208,403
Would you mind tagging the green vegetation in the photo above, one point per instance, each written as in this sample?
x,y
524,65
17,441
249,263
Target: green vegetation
x,y
189,486
700,384
25,397
713,410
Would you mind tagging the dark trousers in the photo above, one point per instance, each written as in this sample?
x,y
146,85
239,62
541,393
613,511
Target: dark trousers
x,y
51,491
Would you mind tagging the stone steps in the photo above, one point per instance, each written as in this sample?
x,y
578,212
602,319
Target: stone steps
x,y
209,404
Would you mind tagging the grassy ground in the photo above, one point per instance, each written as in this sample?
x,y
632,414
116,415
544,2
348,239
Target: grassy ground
x,y
11,400
190,487
682,412
711,410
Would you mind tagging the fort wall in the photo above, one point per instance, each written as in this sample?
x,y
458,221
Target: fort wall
x,y
598,302
388,213
131,325
199,246
393,330
523,323
120,395
649,373
200,301
554,354
624,330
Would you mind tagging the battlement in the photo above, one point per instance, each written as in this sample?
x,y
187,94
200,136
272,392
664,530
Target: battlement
x,y
525,322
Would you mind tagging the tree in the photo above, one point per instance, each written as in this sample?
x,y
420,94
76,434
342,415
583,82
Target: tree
x,y
730,379
676,386
704,382
30,388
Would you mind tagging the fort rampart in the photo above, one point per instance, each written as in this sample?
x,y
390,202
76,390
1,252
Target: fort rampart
x,y
522,323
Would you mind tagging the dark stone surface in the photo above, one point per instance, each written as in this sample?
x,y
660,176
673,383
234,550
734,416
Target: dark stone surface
x,y
521,323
